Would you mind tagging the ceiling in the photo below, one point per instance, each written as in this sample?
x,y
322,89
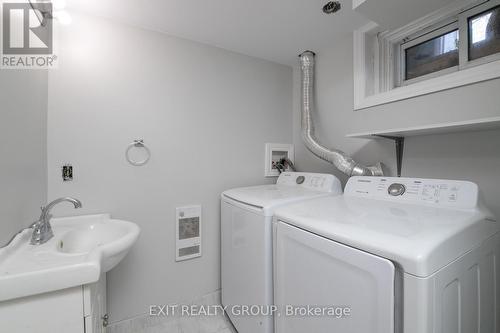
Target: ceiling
x,y
276,30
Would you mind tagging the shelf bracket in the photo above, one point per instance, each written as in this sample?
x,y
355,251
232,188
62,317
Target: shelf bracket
x,y
400,146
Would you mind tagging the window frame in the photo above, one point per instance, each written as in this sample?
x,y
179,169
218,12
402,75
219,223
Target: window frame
x,y
457,22
376,60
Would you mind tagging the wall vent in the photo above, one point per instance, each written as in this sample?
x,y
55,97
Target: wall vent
x,y
188,233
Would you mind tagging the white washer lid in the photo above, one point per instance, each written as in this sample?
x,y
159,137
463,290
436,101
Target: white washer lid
x,y
422,238
267,197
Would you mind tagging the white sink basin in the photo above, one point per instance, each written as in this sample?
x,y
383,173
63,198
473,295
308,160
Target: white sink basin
x,y
83,247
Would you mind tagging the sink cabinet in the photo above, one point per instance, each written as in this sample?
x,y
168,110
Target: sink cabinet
x,y
80,309
60,286
94,306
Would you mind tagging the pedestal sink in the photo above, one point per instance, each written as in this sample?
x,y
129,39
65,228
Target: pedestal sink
x,y
83,248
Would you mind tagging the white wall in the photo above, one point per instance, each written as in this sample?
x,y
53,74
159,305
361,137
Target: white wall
x,y
23,150
205,113
471,156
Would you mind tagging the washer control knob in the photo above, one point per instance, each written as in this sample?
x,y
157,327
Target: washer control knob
x,y
396,189
300,179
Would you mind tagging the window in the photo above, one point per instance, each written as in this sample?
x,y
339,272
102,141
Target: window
x,y
484,34
434,54
470,38
454,46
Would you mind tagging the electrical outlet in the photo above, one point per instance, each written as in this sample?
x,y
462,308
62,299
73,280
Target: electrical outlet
x,y
67,173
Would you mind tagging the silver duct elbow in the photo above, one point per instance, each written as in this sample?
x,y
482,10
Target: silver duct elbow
x,y
338,158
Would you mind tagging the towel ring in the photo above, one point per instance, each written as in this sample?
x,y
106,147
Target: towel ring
x,y
137,144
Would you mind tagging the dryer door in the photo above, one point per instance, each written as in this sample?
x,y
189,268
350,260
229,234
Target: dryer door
x,y
322,286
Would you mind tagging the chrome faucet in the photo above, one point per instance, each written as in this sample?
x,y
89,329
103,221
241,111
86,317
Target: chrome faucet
x,y
42,230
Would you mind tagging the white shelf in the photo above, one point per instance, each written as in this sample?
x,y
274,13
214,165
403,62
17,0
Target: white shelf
x,y
482,124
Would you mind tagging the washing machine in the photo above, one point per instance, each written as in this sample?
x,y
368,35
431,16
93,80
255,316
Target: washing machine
x,y
246,243
391,255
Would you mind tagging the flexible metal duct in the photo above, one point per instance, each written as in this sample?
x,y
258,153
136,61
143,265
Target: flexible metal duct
x,y
338,158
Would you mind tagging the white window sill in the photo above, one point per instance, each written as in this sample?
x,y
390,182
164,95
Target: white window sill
x,y
463,77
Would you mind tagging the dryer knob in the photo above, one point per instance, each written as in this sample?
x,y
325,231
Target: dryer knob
x,y
396,189
300,179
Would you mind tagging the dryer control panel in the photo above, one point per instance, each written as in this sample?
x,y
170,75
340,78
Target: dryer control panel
x,y
314,181
451,193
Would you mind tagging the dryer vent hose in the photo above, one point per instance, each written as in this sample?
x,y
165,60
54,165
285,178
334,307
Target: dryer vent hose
x,y
338,158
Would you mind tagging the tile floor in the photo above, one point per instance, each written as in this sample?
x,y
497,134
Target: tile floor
x,y
212,324
209,324
178,324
